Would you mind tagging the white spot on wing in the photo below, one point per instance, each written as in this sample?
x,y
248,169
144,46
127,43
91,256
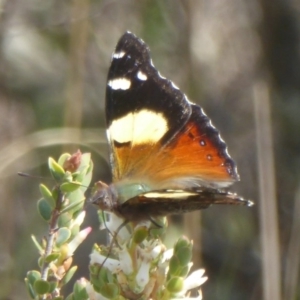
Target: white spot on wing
x,y
226,152
162,77
118,55
141,76
173,195
144,126
119,83
220,138
192,182
174,85
186,98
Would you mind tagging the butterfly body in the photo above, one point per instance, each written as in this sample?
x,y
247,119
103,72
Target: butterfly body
x,y
165,154
146,205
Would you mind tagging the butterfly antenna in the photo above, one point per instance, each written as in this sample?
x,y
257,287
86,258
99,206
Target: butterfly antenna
x,y
27,175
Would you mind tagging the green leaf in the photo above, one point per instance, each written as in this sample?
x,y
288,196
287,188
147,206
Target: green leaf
x,y
182,242
30,289
52,257
184,255
86,180
55,194
41,286
69,275
53,286
80,292
184,271
68,176
85,161
96,284
84,171
75,230
41,261
64,219
36,243
47,195
32,276
175,285
103,275
76,199
109,290
69,187
158,231
94,270
44,209
96,287
76,195
140,234
174,265
63,158
63,235
56,170
59,298
72,205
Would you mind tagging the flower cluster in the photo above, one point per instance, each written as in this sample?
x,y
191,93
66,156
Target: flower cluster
x,y
138,265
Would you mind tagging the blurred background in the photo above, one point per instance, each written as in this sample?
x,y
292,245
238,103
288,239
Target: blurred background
x,y
238,59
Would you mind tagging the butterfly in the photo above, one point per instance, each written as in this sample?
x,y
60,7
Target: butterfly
x,y
165,154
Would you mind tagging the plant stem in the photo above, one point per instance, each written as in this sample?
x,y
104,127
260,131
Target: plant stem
x,y
52,230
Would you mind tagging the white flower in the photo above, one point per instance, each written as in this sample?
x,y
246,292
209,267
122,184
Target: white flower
x,y
92,294
125,261
156,251
79,219
142,277
112,264
167,255
146,224
150,250
194,280
117,226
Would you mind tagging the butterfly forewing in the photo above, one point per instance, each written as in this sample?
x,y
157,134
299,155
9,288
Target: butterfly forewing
x,y
143,110
157,137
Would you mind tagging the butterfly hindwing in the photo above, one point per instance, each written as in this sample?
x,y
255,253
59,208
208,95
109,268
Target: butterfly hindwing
x,y
164,202
195,156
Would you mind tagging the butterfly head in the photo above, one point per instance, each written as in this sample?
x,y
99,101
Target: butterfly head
x,y
103,196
